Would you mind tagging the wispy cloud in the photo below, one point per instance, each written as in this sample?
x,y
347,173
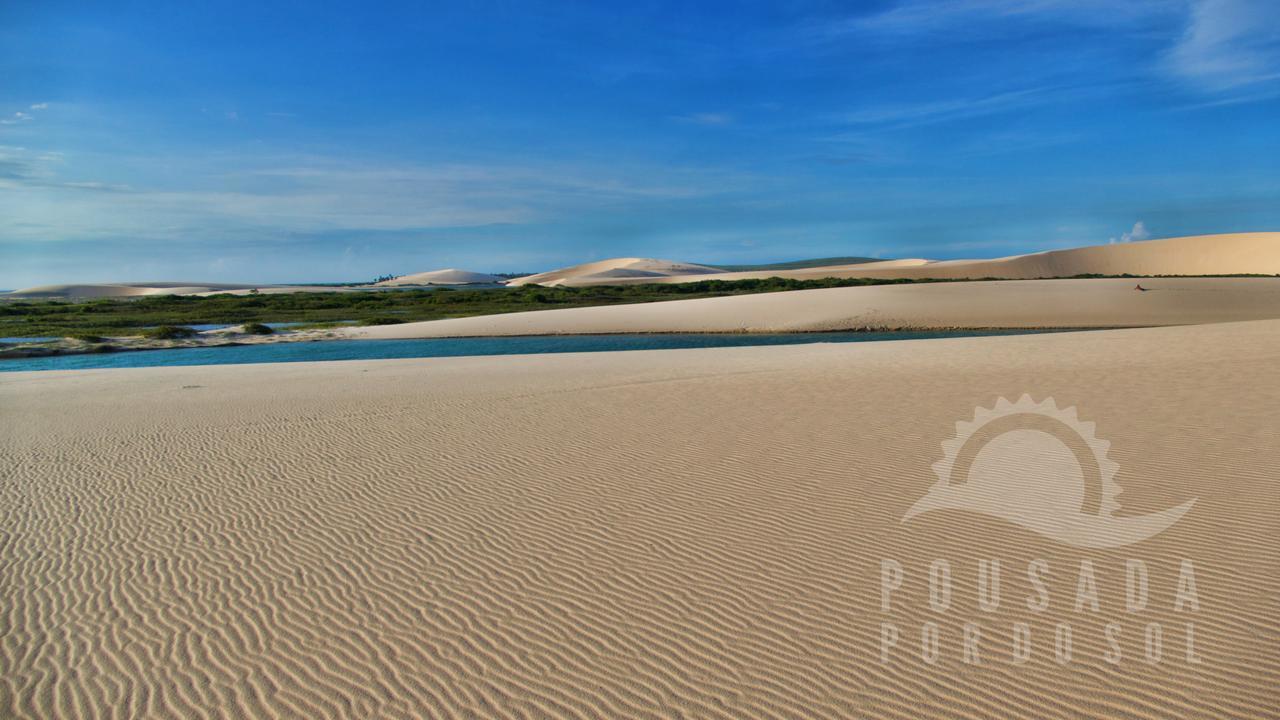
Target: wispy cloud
x,y
21,116
1229,45
915,17
1218,47
908,114
705,118
315,194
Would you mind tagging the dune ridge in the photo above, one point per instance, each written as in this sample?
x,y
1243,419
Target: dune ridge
x,y
447,276
1222,254
140,289
587,536
616,269
1075,303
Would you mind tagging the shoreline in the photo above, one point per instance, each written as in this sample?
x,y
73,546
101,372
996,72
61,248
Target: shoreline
x,y
1064,304
73,351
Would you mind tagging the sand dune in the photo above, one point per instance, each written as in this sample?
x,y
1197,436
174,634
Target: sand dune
x,y
1231,254
614,269
1014,303
93,290
1228,254
448,276
649,534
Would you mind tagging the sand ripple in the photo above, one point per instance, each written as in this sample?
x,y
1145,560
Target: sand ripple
x,y
655,535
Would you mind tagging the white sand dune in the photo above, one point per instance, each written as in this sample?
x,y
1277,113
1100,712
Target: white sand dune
x,y
690,533
94,290
1104,302
1226,254
448,276
613,269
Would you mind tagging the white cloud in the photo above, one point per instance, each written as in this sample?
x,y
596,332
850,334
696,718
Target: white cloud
x,y
1229,44
1138,233
15,118
40,106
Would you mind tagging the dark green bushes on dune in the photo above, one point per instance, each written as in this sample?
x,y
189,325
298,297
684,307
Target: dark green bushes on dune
x,y
169,332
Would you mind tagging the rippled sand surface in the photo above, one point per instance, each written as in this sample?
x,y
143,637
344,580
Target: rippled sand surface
x,y
691,533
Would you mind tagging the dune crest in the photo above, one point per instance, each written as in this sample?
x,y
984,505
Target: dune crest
x,y
615,269
447,276
1225,254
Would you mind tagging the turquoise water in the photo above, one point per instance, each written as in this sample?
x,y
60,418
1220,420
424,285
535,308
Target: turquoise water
x,y
452,347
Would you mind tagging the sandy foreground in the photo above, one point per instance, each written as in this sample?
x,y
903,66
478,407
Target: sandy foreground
x,y
690,533
1005,304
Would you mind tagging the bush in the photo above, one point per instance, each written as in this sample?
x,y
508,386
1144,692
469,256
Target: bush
x,y
169,332
383,320
257,328
89,338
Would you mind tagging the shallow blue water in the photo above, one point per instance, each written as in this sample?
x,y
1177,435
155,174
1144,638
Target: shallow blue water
x,y
451,347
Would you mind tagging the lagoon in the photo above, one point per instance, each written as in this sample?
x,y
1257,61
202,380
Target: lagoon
x,y
454,347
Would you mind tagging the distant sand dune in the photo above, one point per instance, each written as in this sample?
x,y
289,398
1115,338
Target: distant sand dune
x,y
1229,254
1233,254
605,271
1013,303
92,290
448,276
686,533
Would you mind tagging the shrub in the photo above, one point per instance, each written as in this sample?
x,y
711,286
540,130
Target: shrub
x,y
257,328
169,332
381,320
89,338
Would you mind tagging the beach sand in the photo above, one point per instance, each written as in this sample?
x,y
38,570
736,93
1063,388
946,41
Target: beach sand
x,y
1104,302
687,533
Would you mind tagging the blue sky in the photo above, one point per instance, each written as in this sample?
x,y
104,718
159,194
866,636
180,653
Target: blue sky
x,y
313,141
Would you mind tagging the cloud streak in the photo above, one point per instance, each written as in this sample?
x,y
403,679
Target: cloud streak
x,y
1229,45
705,118
320,194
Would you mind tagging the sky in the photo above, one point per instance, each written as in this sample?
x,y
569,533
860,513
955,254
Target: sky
x,y
313,141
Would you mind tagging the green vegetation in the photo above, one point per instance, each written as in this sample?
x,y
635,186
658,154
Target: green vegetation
x,y
257,328
169,332
166,314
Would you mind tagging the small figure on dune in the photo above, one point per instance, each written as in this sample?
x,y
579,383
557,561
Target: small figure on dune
x,y
1139,288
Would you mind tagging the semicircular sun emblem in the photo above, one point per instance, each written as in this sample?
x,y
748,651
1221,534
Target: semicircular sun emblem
x,y
1042,468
